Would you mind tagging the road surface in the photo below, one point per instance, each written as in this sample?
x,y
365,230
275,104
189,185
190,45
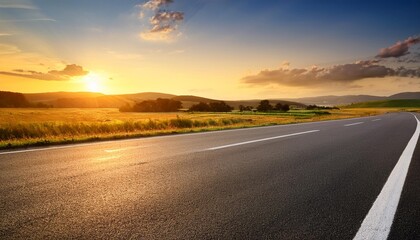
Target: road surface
x,y
306,181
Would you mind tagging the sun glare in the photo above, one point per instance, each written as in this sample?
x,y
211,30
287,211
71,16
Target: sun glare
x,y
93,82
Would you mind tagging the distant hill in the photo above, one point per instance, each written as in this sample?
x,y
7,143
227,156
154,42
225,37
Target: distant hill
x,y
190,98
256,102
396,103
99,100
145,96
50,96
91,100
337,100
13,100
349,99
405,95
188,101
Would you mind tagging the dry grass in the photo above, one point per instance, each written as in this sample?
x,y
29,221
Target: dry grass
x,y
26,127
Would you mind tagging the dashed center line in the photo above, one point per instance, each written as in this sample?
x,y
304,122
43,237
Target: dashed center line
x,y
260,140
374,120
352,124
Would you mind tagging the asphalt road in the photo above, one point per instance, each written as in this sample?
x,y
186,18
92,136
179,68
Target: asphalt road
x,y
303,181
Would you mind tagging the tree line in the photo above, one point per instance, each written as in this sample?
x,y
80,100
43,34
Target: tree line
x,y
265,106
158,105
211,107
170,105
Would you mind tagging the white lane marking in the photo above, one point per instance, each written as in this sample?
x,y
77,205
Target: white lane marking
x,y
42,149
378,119
377,223
260,140
175,135
352,124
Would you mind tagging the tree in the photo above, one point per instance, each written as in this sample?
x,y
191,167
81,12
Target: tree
x,y
126,108
285,108
145,106
200,107
278,106
245,108
211,107
167,105
264,106
158,105
220,107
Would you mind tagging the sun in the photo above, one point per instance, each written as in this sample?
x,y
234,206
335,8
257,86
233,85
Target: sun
x,y
93,82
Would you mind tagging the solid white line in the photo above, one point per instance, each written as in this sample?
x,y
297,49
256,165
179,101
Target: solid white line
x,y
374,120
352,124
377,223
43,149
260,140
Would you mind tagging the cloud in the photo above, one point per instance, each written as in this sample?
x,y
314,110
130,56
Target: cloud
x,y
5,34
21,11
155,4
399,49
67,73
28,20
163,24
405,72
341,74
18,6
8,49
72,70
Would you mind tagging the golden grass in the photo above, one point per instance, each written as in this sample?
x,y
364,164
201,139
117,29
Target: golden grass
x,y
28,127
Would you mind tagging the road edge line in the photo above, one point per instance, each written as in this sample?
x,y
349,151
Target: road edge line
x,y
378,222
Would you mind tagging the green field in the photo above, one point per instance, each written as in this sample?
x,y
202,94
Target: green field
x,y
400,103
35,127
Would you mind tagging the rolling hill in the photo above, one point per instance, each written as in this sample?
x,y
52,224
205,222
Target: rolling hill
x,y
393,103
349,99
51,96
99,100
91,100
405,95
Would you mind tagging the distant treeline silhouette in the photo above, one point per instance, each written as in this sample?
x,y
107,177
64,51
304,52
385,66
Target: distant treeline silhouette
x,y
158,105
211,107
265,106
315,107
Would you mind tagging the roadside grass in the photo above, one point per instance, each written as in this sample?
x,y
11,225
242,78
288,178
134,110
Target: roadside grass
x,y
36,127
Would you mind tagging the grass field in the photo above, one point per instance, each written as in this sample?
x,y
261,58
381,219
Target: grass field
x,y
34,127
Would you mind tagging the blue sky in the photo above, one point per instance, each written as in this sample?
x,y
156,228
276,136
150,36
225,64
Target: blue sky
x,y
251,48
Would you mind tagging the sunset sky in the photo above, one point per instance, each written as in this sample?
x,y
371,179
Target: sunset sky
x,y
221,49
